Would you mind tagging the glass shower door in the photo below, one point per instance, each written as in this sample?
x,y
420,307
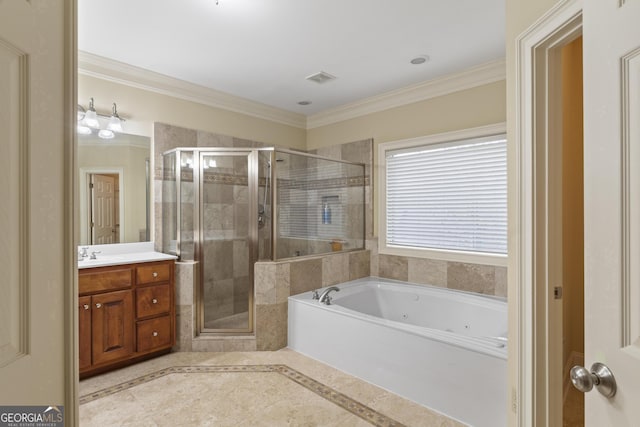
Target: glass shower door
x,y
227,244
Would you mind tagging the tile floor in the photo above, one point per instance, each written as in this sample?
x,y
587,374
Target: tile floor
x,y
281,388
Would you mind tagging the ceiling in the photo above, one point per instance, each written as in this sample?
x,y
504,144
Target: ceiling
x,y
263,50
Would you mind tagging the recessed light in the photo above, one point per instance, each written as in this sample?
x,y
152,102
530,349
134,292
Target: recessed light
x,y
419,60
304,102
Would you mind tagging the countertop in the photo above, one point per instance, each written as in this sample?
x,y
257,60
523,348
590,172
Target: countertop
x,y
120,254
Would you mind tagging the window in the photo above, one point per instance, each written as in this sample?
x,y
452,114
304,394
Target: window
x,y
445,195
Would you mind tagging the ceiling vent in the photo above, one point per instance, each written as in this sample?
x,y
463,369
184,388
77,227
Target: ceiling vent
x,y
321,77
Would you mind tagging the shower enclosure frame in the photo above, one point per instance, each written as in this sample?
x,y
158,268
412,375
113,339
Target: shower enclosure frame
x,y
253,170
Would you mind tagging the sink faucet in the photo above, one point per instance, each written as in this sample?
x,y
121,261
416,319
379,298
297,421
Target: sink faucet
x,y
82,253
93,254
325,298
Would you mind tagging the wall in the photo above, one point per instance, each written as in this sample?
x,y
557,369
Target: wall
x,y
520,15
572,201
469,108
142,108
479,106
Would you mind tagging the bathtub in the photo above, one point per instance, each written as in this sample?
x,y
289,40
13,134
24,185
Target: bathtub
x,y
441,348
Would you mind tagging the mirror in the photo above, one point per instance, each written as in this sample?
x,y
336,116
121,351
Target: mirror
x,y
114,189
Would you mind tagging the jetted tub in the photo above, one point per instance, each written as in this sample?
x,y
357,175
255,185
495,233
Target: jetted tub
x,y
441,348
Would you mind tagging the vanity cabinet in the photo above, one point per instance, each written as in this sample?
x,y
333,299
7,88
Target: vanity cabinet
x,y
126,314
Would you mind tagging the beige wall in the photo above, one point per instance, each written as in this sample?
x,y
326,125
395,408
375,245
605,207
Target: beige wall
x,y
143,108
469,108
520,14
479,106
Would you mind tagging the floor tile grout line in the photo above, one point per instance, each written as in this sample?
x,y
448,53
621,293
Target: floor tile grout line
x,y
328,393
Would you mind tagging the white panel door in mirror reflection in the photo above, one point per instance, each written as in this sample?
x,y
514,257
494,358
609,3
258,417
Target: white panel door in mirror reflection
x,y
104,208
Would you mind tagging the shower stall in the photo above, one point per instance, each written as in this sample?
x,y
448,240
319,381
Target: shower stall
x,y
226,208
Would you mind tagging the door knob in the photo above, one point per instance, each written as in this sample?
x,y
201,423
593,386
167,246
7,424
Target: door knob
x,y
98,305
600,376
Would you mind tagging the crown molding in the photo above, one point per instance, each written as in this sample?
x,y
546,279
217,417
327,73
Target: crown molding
x,y
121,73
476,76
129,75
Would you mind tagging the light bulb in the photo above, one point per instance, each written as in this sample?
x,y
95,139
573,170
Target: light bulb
x,y
91,117
83,130
115,122
106,134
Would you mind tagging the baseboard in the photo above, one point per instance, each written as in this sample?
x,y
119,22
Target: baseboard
x,y
574,359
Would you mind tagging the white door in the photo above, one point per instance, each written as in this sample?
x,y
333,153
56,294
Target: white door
x,y
103,209
611,34
37,285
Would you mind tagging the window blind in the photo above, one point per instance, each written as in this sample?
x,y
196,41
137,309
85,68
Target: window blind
x,y
450,196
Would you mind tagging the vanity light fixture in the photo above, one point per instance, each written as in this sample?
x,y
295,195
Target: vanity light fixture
x,y
89,120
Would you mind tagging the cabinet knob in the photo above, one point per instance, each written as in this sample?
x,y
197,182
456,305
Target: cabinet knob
x,y
155,334
155,274
98,305
154,301
86,306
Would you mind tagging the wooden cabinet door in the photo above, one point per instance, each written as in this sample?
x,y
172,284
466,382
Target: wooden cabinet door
x,y
154,334
112,326
84,334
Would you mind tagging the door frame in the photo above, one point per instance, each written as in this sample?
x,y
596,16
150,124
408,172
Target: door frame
x,y
85,198
533,375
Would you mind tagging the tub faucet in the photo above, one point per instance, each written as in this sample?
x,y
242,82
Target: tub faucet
x,y
325,298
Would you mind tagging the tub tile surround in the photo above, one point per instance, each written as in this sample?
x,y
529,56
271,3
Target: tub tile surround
x,y
278,280
274,283
478,278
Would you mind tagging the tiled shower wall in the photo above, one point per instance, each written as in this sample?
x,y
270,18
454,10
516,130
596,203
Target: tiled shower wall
x,y
359,152
225,206
167,137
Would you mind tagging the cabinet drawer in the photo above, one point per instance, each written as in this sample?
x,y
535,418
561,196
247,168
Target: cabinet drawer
x,y
153,334
105,280
153,300
154,273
